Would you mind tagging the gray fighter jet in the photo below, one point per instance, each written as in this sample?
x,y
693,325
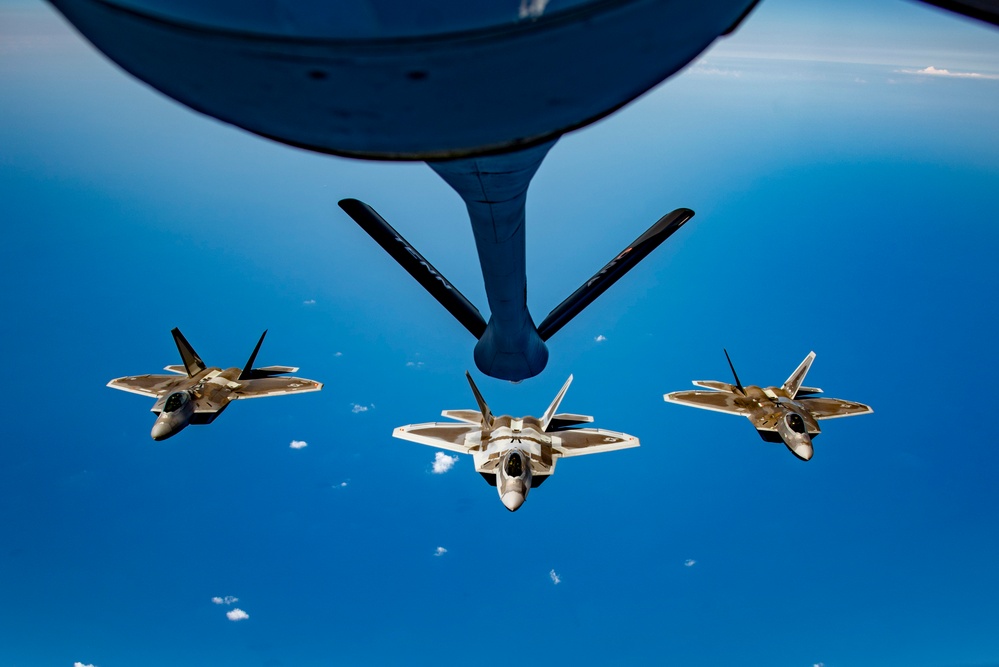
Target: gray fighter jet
x,y
197,394
789,413
515,454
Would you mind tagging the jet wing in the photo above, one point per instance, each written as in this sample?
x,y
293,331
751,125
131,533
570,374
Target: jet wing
x,y
718,401
831,408
149,385
577,442
262,387
442,435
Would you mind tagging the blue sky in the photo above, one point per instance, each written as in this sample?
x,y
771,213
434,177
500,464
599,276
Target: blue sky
x,y
846,202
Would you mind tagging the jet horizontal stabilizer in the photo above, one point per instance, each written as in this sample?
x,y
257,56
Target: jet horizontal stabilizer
x,y
612,272
564,420
269,372
416,265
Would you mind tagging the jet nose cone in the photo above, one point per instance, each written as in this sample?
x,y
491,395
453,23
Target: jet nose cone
x,y
803,451
161,431
512,500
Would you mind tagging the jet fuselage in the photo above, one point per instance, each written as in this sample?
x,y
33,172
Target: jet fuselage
x,y
776,414
198,401
517,453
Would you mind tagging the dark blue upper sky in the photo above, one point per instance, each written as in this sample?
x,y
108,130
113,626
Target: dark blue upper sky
x,y
846,193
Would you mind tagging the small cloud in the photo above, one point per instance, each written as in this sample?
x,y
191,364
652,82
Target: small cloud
x,y
933,71
228,599
298,444
443,463
555,578
309,302
440,551
532,9
690,562
715,71
414,364
237,614
338,354
341,485
80,664
357,408
819,664
600,338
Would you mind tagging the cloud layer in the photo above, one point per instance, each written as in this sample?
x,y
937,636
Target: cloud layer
x,y
933,71
443,463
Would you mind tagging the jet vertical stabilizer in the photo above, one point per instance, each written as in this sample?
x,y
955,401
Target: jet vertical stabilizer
x,y
192,362
738,385
793,383
549,415
247,371
487,416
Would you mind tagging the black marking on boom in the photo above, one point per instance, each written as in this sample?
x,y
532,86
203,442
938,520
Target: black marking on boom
x,y
738,384
612,272
247,372
416,265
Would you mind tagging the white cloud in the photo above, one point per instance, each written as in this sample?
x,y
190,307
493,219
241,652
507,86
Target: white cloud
x,y
298,444
309,302
690,562
555,578
819,664
532,9
443,463
600,338
715,71
440,551
237,614
228,599
338,354
414,364
933,71
341,485
80,664
358,408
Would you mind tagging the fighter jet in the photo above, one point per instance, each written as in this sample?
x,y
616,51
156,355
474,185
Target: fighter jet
x,y
515,454
789,413
197,394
